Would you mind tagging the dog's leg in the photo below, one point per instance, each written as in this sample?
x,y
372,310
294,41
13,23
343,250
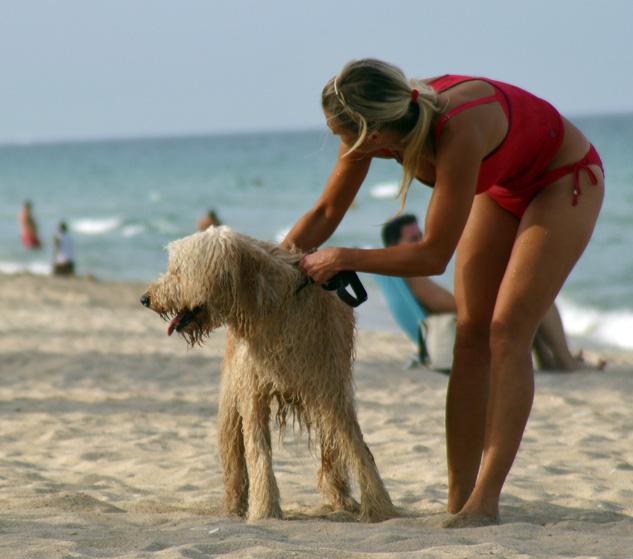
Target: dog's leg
x,y
231,439
263,495
333,479
231,447
375,503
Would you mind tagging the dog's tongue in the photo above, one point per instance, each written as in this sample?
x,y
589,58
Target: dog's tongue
x,y
174,322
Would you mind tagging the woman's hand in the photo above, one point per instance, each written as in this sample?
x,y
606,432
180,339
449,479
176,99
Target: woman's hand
x,y
322,264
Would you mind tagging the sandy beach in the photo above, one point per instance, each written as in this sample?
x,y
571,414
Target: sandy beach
x,y
108,447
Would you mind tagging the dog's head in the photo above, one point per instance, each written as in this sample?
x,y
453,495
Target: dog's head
x,y
219,277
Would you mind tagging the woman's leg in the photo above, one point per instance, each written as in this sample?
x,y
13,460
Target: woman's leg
x,y
551,237
482,254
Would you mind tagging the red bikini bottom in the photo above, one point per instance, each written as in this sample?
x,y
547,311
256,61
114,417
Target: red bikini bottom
x,y
516,201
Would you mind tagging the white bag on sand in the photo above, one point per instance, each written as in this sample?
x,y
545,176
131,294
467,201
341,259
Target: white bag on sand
x,y
438,337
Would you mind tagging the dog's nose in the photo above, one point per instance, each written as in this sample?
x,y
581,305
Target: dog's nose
x,y
145,299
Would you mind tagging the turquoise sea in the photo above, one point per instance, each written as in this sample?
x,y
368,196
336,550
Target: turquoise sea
x,y
125,199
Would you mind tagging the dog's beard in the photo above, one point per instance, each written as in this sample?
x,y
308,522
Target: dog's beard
x,y
182,319
189,323
193,335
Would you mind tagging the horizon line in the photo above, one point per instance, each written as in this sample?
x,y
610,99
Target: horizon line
x,y
193,134
165,135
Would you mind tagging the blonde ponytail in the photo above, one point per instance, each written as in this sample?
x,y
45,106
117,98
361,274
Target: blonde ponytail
x,y
416,140
369,95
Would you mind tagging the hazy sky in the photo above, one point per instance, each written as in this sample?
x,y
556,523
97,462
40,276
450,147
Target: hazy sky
x,y
110,68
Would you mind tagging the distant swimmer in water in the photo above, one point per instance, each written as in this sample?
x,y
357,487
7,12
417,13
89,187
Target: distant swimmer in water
x,y
208,219
28,227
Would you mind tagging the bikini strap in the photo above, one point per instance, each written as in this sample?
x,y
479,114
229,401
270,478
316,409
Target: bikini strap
x,y
444,118
591,158
576,170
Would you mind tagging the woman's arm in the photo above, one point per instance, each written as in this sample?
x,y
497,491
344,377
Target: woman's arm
x,y
318,224
458,159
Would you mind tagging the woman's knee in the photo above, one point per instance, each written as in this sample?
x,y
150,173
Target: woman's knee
x,y
472,339
509,336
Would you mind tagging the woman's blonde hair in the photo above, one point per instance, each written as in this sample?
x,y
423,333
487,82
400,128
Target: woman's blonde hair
x,y
368,95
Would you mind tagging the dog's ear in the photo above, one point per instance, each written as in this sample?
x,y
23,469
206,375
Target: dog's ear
x,y
258,292
253,289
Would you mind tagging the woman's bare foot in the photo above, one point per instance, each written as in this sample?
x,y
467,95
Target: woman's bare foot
x,y
470,520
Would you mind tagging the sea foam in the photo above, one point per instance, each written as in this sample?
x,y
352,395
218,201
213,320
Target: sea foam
x,y
95,226
384,190
282,234
611,328
37,268
132,230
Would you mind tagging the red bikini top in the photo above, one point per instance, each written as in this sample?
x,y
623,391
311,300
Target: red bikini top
x,y
535,132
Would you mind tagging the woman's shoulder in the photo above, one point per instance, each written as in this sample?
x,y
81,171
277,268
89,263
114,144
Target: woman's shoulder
x,y
429,81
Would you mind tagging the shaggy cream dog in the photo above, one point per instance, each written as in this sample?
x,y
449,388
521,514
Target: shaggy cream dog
x,y
287,349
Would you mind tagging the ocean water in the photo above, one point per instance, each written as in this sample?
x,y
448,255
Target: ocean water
x,y
124,200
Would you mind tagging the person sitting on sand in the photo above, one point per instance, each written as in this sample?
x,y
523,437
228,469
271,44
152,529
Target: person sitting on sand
x,y
550,344
63,254
517,190
208,219
28,227
404,229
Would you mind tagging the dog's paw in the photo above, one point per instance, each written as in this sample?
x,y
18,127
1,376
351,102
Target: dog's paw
x,y
235,512
378,514
348,504
273,511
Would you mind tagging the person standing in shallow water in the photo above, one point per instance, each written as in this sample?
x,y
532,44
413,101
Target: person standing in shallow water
x,y
63,252
28,227
517,190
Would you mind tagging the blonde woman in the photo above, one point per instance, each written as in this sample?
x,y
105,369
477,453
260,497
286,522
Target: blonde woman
x,y
516,191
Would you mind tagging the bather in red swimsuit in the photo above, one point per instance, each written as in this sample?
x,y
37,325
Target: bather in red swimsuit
x,y
515,171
